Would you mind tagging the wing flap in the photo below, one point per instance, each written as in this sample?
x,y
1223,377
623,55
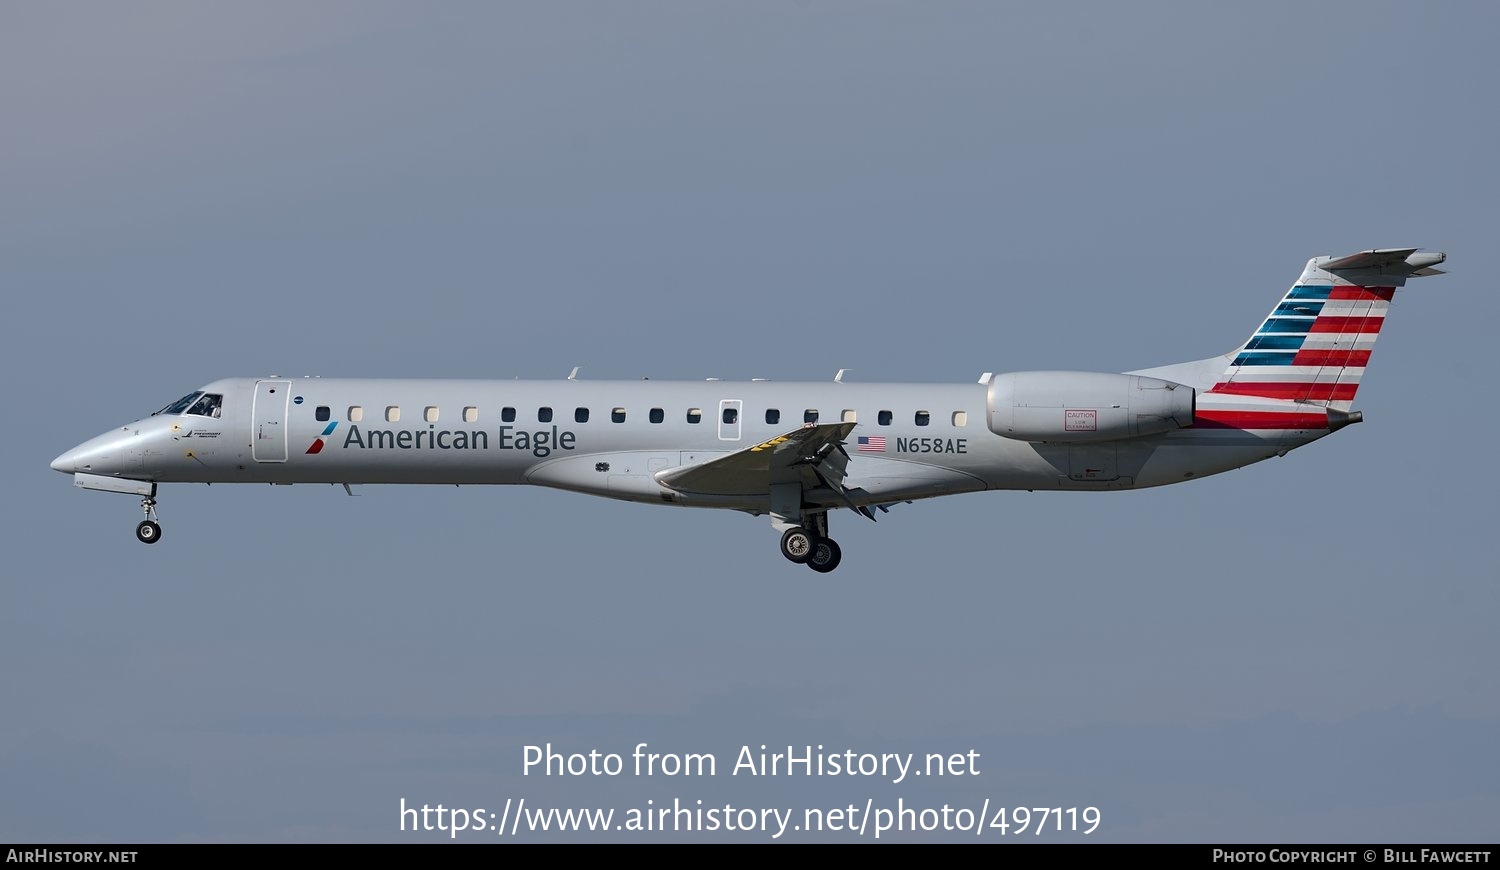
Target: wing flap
x,y
811,455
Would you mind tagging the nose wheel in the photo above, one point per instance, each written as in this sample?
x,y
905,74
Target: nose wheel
x,y
149,530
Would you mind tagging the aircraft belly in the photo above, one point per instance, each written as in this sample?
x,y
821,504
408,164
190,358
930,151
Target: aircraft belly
x,y
379,467
624,475
875,481
1174,463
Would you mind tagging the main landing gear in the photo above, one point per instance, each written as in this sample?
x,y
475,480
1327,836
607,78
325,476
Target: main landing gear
x,y
149,531
812,547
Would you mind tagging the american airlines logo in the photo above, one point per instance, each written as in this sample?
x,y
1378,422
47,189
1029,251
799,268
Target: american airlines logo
x,y
317,445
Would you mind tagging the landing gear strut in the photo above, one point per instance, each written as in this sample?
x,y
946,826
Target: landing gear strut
x,y
149,531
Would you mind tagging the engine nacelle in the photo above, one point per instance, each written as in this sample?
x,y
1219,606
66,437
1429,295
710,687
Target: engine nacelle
x,y
1086,406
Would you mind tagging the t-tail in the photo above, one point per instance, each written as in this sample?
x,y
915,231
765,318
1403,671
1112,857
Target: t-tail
x,y
1313,348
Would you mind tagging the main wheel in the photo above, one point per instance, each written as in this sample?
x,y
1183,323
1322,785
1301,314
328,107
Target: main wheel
x,y
148,532
797,544
825,556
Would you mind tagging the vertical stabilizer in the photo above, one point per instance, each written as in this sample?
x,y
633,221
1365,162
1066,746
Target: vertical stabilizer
x,y
1315,344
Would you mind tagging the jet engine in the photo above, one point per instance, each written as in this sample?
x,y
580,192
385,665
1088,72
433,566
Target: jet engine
x,y
1086,406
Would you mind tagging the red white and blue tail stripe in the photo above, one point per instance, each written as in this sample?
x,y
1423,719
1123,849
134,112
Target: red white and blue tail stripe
x,y
1310,353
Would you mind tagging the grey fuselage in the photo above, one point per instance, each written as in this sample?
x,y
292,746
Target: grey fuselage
x,y
611,438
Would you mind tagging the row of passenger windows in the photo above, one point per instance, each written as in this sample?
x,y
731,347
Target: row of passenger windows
x,y
729,416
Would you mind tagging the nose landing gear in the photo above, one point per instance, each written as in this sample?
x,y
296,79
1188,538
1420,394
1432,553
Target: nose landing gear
x,y
149,530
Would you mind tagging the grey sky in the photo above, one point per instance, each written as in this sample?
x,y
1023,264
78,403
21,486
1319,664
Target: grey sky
x,y
1302,650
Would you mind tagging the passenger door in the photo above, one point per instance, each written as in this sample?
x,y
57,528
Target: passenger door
x,y
268,421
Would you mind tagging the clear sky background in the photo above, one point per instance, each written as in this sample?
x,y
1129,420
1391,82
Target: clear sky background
x,y
1303,650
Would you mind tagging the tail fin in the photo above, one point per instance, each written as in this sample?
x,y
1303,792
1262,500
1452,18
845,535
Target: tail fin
x,y
1315,344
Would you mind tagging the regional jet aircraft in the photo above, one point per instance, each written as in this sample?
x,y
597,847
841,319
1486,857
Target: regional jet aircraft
x,y
793,452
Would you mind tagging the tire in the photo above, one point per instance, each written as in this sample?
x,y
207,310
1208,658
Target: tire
x,y
825,556
148,532
797,544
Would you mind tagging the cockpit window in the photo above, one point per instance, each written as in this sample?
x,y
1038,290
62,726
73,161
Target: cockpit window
x,y
180,405
208,406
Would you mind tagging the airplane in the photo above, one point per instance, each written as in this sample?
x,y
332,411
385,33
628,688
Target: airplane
x,y
790,451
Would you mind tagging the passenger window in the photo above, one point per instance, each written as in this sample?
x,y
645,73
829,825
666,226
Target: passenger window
x,y
544,415
923,418
731,416
617,415
580,415
773,416
884,418
430,413
393,413
507,415
322,414
695,415
356,413
960,419
658,415
471,414
810,415
849,415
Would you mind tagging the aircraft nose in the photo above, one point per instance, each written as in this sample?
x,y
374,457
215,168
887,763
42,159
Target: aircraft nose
x,y
66,463
117,452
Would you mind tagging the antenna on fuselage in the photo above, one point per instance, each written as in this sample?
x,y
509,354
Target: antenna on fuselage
x,y
573,376
839,378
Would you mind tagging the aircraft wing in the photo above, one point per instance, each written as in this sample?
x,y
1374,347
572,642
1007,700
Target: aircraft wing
x,y
813,455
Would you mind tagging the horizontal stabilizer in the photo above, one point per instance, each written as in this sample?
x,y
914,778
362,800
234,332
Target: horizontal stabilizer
x,y
1396,262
